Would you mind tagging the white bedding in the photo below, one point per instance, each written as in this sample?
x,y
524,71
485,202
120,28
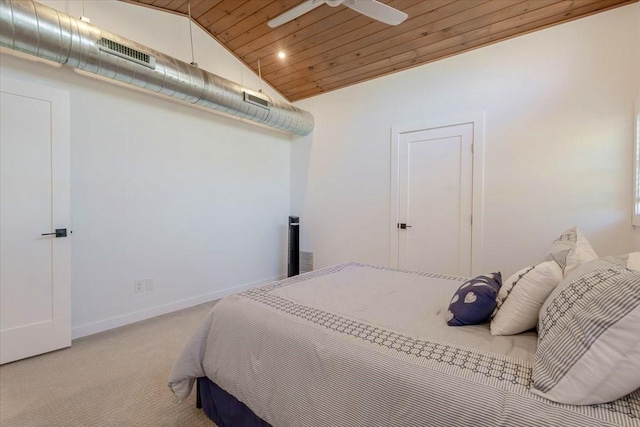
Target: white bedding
x,y
374,296
356,345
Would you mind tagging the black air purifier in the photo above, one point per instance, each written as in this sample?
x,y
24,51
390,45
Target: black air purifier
x,y
294,246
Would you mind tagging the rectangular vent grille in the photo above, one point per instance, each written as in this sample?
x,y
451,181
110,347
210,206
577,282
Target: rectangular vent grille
x,y
306,262
256,100
126,52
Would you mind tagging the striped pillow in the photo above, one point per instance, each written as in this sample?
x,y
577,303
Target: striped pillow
x,y
589,337
522,296
571,250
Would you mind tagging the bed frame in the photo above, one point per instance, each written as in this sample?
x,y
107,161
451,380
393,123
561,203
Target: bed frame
x,y
224,409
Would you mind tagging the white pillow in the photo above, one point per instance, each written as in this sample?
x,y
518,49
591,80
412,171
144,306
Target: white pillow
x,y
633,261
570,250
521,297
588,337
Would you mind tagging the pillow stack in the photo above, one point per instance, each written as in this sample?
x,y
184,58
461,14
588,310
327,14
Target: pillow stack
x,y
588,316
523,294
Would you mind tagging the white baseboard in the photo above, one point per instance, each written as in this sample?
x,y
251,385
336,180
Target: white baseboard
x,y
126,319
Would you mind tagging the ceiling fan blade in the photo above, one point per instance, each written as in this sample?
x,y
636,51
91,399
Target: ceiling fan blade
x,y
294,12
376,10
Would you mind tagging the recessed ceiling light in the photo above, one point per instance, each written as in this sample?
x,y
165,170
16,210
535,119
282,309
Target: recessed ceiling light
x,y
281,55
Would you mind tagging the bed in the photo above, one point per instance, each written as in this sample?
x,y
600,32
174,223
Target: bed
x,y
361,345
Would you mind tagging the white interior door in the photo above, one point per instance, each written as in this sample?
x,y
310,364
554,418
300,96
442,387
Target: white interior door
x,y
34,199
435,200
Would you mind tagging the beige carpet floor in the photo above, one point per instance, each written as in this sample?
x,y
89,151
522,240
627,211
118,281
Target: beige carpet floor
x,y
115,378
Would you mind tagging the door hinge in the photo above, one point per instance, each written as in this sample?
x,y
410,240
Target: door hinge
x,y
472,148
471,219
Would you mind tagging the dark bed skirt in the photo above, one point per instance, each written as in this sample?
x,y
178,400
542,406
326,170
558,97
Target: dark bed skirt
x,y
224,409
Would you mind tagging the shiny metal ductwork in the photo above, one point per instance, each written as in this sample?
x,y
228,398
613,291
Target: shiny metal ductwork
x,y
44,32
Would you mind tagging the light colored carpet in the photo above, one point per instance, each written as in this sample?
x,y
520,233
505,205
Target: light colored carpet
x,y
115,378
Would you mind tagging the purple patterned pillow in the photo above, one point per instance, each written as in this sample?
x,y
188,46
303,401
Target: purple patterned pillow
x,y
475,300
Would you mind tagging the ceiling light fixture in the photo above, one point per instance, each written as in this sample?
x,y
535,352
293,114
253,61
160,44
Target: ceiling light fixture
x,y
282,55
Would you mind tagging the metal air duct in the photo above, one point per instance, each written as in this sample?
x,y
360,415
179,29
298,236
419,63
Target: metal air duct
x,y
33,28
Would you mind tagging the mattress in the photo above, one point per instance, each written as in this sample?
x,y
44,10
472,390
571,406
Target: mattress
x,y
355,345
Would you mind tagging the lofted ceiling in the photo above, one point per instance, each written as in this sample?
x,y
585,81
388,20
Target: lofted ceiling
x,y
333,47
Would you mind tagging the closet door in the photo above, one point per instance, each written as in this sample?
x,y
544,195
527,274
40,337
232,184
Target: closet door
x,y
434,210
34,202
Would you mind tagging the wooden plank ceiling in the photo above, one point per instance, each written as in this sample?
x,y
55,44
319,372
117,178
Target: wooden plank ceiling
x,y
333,47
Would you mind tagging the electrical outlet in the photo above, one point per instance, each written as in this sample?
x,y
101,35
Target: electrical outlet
x,y
138,286
148,285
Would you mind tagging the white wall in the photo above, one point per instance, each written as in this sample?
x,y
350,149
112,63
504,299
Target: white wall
x,y
558,144
162,190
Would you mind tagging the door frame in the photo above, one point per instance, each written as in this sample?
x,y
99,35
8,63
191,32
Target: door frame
x,y
477,173
60,210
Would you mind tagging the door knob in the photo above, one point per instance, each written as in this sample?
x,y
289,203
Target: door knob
x,y
403,226
60,232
